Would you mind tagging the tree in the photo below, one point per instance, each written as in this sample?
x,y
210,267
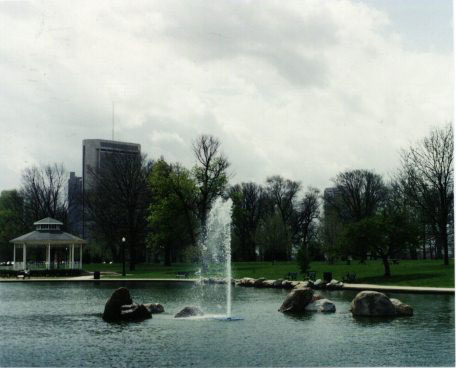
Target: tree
x,y
13,221
361,192
210,173
173,224
118,203
249,202
307,214
44,192
283,193
427,179
273,240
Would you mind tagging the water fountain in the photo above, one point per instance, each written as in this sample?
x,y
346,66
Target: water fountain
x,y
216,247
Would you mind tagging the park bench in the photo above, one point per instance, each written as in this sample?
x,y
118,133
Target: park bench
x,y
349,277
291,276
183,274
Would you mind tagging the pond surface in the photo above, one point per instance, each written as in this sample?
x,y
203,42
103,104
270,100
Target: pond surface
x,y
59,324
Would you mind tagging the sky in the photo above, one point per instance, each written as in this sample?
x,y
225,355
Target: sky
x,y
304,89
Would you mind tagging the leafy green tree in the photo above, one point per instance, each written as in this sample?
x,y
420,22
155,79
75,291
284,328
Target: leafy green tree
x,y
171,214
272,238
13,221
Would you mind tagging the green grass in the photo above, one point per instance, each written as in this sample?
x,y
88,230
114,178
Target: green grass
x,y
408,273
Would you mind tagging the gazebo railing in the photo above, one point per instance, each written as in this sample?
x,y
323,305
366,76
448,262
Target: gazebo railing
x,y
32,265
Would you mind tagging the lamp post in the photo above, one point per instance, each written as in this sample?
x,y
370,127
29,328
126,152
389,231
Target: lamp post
x,y
123,256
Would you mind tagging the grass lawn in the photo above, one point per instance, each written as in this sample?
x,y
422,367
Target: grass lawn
x,y
406,273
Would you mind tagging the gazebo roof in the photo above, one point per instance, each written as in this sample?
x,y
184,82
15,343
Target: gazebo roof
x,y
48,237
48,221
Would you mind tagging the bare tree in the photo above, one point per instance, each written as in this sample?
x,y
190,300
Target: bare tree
x,y
283,193
210,173
308,212
119,200
44,192
427,179
359,193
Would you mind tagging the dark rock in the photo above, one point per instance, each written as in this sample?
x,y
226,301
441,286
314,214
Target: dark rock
x,y
402,309
246,282
277,283
372,304
189,312
113,306
297,300
287,284
154,308
135,312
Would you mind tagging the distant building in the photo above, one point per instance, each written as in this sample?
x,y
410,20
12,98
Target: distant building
x,y
95,152
75,204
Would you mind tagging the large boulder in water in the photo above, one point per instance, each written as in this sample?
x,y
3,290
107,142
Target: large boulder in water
x,y
402,309
372,304
134,312
154,308
296,301
189,312
113,307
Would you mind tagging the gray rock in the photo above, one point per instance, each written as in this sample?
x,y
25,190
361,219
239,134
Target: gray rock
x,y
321,305
402,309
246,282
189,312
372,304
113,306
268,283
297,300
154,308
259,282
277,283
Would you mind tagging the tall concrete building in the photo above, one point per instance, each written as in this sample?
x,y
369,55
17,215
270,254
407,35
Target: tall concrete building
x,y
96,151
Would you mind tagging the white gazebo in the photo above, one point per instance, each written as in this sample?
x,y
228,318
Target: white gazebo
x,y
47,235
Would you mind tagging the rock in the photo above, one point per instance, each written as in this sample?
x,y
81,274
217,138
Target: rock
x,y
135,312
302,284
334,284
297,300
294,283
318,284
321,305
154,308
268,283
189,312
287,284
113,306
246,282
372,304
316,297
259,282
402,309
277,283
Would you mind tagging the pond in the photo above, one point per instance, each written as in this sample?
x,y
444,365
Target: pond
x,y
59,324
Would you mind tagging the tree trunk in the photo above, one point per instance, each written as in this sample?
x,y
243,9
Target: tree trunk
x,y
444,243
387,266
168,257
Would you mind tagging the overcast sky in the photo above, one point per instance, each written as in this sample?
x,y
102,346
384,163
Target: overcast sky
x,y
304,89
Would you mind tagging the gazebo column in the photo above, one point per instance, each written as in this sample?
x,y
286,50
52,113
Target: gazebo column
x,y
14,257
80,255
48,256
72,256
24,256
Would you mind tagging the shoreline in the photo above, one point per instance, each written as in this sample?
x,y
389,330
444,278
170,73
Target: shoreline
x,y
373,287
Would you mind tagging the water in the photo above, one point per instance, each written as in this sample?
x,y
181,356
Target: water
x,y
216,247
59,324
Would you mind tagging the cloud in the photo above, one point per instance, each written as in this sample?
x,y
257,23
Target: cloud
x,y
298,88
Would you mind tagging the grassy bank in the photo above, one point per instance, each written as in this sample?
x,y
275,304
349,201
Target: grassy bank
x,y
430,273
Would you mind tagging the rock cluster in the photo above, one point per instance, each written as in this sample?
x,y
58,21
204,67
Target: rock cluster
x,y
120,307
287,284
302,299
376,304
